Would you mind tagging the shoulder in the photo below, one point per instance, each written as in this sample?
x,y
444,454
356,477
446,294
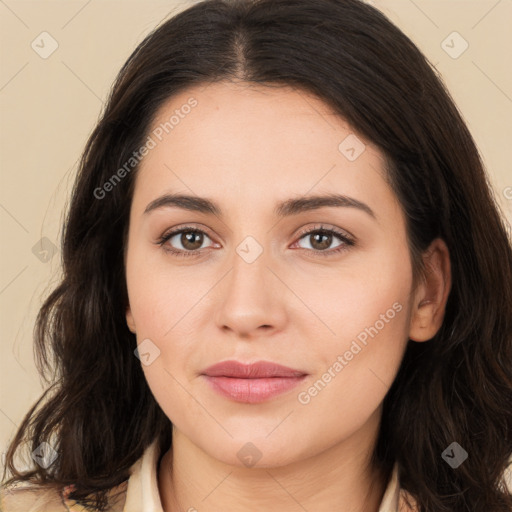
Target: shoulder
x,y
30,498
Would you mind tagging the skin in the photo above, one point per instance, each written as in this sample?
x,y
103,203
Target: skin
x,y
247,148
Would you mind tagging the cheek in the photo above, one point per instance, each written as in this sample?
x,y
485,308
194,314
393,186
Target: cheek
x,y
367,311
367,299
163,299
169,389
161,312
355,373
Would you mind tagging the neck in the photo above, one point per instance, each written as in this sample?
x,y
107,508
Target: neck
x,y
340,478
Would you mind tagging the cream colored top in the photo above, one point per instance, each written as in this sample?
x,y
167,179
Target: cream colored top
x,y
140,493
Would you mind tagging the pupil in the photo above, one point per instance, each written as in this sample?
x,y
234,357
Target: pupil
x,y
187,240
322,245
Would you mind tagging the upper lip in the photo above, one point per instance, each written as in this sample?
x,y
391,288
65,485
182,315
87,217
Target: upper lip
x,y
257,370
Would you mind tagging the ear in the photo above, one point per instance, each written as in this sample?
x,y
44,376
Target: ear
x,y
129,319
432,292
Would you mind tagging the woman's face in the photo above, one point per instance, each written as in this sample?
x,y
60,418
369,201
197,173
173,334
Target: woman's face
x,y
249,284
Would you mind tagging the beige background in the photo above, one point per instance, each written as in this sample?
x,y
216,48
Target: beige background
x,y
49,106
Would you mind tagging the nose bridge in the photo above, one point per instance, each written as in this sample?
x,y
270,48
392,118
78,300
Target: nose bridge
x,y
249,269
249,299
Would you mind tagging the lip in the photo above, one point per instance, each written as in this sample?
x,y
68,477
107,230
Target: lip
x,y
252,383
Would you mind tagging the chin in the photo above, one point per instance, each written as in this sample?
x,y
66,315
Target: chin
x,y
254,451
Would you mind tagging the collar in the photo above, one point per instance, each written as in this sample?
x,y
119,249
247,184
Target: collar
x,y
143,495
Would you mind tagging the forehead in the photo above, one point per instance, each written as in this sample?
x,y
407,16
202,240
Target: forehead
x,y
230,140
232,121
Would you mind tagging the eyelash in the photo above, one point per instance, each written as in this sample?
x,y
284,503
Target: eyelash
x,y
347,241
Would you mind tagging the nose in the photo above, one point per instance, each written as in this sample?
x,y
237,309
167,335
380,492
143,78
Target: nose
x,y
251,299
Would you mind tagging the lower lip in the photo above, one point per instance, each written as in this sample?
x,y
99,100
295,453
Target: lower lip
x,y
253,390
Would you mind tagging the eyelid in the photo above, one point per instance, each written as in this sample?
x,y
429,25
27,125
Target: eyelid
x,y
187,227
326,227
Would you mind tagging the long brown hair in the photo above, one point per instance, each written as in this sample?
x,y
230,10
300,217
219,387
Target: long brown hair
x,y
98,411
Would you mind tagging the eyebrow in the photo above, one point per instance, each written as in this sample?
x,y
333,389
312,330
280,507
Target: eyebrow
x,y
283,209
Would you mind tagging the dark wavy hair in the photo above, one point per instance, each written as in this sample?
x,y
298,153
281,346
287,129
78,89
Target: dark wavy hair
x,y
457,386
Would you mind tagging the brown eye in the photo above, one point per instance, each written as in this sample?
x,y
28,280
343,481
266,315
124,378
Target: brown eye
x,y
191,240
321,240
185,241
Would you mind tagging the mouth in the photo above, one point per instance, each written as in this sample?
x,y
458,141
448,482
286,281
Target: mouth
x,y
252,383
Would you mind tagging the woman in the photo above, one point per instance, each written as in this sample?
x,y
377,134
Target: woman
x,y
286,284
